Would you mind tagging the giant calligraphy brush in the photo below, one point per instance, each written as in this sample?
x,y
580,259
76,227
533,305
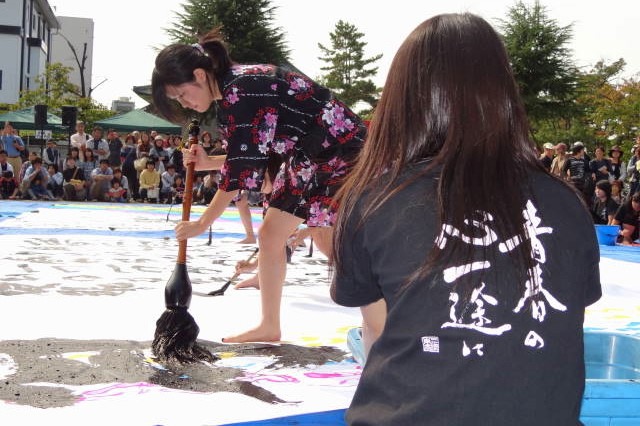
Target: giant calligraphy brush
x,y
176,330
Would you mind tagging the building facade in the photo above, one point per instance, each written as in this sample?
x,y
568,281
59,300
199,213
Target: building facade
x,y
26,28
76,33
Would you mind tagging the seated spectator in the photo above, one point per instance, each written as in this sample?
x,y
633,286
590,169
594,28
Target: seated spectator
x,y
198,188
616,192
177,192
150,183
24,185
628,217
74,183
36,179
603,208
5,166
124,181
88,165
101,181
54,186
116,193
166,180
9,189
209,186
75,154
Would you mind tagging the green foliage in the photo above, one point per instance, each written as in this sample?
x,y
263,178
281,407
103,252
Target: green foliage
x,y
55,91
541,62
348,71
246,25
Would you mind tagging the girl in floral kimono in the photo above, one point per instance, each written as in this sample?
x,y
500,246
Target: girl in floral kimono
x,y
262,110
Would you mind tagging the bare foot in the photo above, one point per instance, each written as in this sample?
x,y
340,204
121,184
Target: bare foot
x,y
244,267
258,334
248,240
249,282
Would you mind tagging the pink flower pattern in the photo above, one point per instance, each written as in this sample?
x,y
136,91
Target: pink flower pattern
x,y
267,110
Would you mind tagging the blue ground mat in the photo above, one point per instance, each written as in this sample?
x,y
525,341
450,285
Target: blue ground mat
x,y
334,418
625,253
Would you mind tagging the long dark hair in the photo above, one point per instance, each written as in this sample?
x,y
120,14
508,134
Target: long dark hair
x,y
450,96
175,65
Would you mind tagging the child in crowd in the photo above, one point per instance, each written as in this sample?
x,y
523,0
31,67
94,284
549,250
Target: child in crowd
x,y
177,190
9,189
150,183
116,194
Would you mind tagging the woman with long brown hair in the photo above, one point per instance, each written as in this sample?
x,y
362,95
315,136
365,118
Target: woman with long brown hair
x,y
472,301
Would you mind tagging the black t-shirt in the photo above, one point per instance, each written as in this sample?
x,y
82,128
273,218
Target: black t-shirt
x,y
501,359
602,209
627,216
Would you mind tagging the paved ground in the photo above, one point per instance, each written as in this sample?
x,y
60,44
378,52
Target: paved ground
x,y
81,288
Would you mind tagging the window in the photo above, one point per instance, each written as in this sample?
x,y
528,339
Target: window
x,y
1,1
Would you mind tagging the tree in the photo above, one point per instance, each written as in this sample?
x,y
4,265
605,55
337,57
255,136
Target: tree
x,y
246,25
81,61
348,73
611,109
55,90
541,62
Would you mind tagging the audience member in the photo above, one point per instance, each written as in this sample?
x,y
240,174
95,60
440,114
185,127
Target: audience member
x,y
603,208
51,154
150,183
600,167
618,168
628,217
129,155
124,181
633,170
547,156
55,183
177,192
13,145
617,195
116,193
557,165
5,166
9,189
576,171
74,185
115,148
101,178
79,140
99,146
166,180
35,181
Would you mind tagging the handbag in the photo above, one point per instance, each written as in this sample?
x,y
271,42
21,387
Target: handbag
x,y
140,164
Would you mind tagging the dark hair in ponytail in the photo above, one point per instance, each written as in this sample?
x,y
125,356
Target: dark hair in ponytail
x,y
176,63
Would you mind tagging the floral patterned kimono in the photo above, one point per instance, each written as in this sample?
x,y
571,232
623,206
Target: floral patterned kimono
x,y
268,111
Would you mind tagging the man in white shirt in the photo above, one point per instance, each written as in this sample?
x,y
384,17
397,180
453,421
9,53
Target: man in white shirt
x,y
79,139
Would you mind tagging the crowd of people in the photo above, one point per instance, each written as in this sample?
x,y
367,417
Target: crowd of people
x,y
145,167
608,183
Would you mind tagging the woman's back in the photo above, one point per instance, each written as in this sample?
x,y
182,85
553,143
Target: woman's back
x,y
500,358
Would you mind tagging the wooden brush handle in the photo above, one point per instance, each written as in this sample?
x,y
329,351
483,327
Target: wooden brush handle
x,y
194,130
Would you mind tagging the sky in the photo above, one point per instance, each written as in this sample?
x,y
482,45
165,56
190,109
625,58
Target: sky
x,y
128,33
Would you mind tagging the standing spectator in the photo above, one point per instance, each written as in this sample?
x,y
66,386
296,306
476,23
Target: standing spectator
x,y
9,189
633,171
617,194
547,156
55,183
158,150
51,154
144,145
5,166
600,167
79,139
207,142
74,182
115,148
618,168
99,146
628,217
473,304
577,172
150,183
603,208
129,155
101,181
557,164
13,145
